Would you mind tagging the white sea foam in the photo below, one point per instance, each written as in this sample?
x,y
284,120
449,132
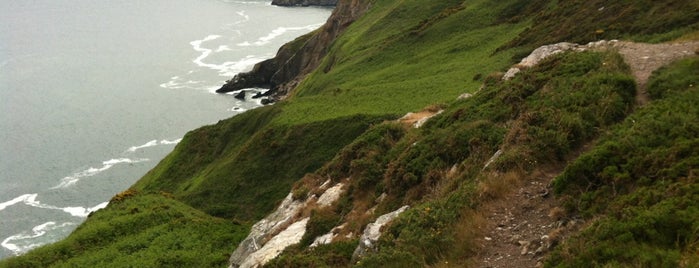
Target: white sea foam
x,y
223,48
281,30
165,142
237,109
30,200
228,68
177,82
151,144
22,242
20,199
84,212
146,145
92,171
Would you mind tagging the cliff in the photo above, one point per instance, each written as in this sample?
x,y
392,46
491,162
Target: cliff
x,y
304,2
299,57
404,141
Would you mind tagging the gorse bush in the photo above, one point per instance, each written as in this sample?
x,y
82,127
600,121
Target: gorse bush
x,y
642,177
539,117
639,180
143,230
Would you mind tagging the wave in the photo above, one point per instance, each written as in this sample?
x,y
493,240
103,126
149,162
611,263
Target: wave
x,y
152,144
278,32
171,142
84,212
37,231
148,144
228,68
19,199
30,200
92,171
177,83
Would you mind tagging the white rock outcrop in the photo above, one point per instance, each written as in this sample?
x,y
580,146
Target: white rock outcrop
x,y
262,231
423,120
330,195
546,51
372,232
290,236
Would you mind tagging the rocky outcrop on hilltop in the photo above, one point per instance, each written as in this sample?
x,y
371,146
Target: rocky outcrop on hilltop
x,y
304,2
296,59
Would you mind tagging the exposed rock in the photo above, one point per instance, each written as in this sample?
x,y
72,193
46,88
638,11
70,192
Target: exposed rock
x,y
372,233
546,51
262,230
423,120
259,95
240,95
323,239
330,195
290,236
418,119
296,59
304,2
464,96
327,238
492,158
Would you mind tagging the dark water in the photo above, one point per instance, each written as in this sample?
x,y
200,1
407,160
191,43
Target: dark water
x,y
93,93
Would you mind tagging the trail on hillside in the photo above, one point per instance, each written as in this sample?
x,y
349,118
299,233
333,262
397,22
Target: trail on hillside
x,y
645,58
525,223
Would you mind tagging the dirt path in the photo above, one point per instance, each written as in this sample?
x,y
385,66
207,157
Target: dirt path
x,y
524,225
527,222
645,58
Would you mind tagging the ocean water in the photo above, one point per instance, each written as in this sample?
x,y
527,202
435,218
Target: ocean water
x,y
93,93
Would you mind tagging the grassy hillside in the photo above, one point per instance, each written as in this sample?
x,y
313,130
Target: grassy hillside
x,y
538,119
141,230
404,55
641,182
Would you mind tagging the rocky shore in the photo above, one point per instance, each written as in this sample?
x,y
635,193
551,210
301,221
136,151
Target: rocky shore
x,y
299,57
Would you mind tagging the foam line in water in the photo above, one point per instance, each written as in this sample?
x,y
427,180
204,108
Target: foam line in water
x,y
30,200
22,242
176,83
228,68
20,199
282,30
84,212
166,142
92,171
147,144
223,48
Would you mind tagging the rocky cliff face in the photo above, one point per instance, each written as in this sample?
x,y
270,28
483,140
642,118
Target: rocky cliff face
x,y
298,58
304,2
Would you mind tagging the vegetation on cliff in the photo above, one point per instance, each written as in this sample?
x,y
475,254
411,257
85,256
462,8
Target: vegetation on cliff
x,y
635,182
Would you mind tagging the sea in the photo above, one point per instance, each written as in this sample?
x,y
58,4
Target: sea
x,y
94,93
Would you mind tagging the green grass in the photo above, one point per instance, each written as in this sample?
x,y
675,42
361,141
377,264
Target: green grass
x,y
584,21
538,118
402,56
641,182
390,62
143,230
250,174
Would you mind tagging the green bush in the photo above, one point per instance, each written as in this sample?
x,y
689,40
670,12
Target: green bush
x,y
640,183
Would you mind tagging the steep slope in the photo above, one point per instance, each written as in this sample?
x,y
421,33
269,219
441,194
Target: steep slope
x,y
340,125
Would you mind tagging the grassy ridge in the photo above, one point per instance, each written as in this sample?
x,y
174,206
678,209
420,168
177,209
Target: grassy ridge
x,y
585,21
437,168
253,163
141,230
641,181
402,56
